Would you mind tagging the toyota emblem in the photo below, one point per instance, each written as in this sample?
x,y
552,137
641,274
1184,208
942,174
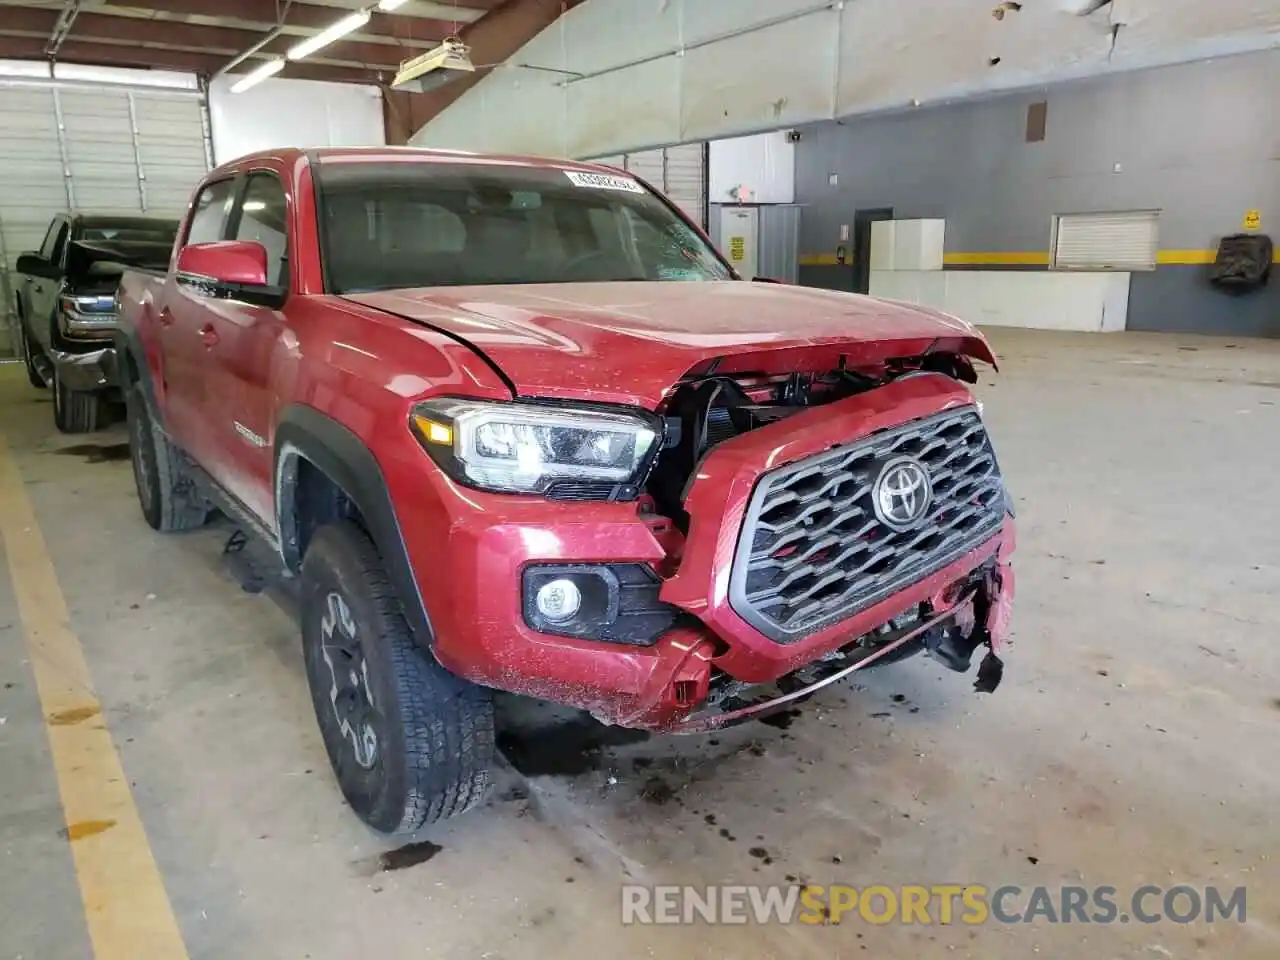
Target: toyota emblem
x,y
902,493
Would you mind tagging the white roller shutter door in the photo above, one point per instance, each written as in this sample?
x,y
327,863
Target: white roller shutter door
x,y
108,150
686,182
172,147
133,151
1127,240
679,172
31,174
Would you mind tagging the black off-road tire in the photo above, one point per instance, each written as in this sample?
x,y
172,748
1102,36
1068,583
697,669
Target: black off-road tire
x,y
434,731
75,411
28,359
168,499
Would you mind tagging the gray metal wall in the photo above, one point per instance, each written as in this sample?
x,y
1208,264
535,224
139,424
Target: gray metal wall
x,y
1200,142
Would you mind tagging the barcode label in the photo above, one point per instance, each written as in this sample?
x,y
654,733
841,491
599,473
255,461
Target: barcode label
x,y
603,181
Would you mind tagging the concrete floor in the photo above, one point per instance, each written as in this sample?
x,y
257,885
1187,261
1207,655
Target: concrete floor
x,y
1133,740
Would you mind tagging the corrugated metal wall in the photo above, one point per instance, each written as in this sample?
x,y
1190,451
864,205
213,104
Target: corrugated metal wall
x,y
111,150
779,247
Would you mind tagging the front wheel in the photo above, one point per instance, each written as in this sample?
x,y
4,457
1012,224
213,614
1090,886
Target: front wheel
x,y
408,741
75,411
28,358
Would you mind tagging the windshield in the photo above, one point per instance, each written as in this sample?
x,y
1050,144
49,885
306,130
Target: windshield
x,y
394,225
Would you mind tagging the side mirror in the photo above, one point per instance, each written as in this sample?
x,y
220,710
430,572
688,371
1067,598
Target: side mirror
x,y
35,265
230,269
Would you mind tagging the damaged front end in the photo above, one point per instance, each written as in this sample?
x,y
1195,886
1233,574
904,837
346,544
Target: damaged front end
x,y
775,487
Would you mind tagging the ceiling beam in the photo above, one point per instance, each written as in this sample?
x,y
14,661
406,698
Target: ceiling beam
x,y
178,34
261,15
190,61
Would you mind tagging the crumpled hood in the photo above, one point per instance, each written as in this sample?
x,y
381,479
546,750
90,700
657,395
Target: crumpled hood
x,y
629,342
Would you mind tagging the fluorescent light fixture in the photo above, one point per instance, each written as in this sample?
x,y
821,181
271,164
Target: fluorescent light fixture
x,y
325,37
446,62
386,6
255,77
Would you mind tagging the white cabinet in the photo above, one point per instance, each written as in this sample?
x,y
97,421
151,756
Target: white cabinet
x,y
907,244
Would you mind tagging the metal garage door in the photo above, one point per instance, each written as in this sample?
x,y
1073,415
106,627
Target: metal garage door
x,y
91,149
679,172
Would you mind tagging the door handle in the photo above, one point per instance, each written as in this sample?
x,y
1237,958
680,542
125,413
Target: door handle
x,y
37,288
166,317
208,336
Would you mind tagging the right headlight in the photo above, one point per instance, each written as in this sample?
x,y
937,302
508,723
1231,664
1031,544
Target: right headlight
x,y
530,448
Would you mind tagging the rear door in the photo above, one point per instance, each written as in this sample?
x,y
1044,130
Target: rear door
x,y
184,319
243,354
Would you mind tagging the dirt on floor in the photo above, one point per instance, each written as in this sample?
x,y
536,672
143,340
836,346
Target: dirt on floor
x,y
1132,742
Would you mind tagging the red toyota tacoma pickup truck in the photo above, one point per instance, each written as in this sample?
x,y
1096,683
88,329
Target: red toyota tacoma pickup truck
x,y
515,424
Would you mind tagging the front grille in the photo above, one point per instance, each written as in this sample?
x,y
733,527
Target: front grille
x,y
813,552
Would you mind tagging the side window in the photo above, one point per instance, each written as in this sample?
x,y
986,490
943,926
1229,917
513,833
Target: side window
x,y
210,214
60,244
51,238
264,219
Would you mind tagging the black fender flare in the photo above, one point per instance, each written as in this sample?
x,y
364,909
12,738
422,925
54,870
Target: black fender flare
x,y
304,433
129,347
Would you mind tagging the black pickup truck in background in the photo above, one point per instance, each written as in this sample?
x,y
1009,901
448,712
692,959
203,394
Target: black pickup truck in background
x,y
67,312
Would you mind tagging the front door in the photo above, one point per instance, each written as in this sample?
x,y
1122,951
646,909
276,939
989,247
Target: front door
x,y
42,291
244,343
182,316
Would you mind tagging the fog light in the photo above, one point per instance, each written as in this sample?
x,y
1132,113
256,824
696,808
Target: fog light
x,y
559,600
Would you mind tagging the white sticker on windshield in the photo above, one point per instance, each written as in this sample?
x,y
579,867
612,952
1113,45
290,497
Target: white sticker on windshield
x,y
603,181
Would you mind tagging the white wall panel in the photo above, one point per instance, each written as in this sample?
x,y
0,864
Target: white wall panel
x,y
293,113
1040,300
764,163
859,57
700,20
648,27
598,112
890,60
758,81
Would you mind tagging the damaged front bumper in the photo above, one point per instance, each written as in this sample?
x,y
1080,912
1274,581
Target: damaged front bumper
x,y
86,371
952,636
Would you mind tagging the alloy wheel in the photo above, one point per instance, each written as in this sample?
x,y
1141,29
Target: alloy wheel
x,y
350,694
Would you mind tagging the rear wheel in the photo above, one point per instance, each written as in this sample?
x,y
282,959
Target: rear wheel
x,y
75,411
168,499
409,742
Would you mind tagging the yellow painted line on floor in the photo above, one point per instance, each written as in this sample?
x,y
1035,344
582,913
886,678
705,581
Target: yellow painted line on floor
x,y
128,912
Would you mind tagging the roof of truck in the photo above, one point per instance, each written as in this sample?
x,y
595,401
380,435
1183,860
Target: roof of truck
x,y
325,155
